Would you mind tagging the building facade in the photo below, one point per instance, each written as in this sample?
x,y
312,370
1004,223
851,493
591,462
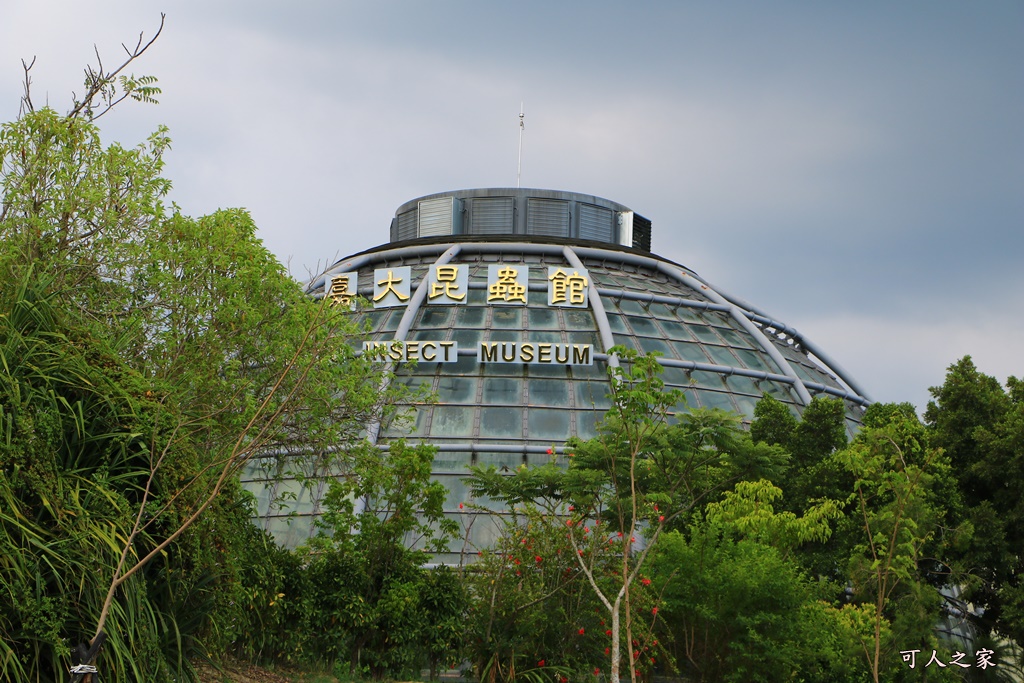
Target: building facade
x,y
509,299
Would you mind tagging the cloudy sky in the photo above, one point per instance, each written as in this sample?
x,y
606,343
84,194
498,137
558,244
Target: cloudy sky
x,y
854,169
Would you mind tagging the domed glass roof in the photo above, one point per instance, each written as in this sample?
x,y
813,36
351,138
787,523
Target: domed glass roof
x,y
525,319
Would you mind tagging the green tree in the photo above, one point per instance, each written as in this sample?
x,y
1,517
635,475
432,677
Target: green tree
x,y
980,426
898,479
368,586
176,351
635,478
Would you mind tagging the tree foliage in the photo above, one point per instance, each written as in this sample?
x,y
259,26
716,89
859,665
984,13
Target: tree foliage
x,y
147,357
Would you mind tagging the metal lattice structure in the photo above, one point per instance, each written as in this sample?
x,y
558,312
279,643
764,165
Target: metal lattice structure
x,y
721,351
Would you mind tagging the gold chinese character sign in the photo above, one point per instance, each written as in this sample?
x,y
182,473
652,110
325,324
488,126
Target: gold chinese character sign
x,y
507,284
391,286
448,284
567,288
340,288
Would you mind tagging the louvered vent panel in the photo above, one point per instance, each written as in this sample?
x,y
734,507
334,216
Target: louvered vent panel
x,y
641,232
596,223
435,217
407,225
492,216
547,217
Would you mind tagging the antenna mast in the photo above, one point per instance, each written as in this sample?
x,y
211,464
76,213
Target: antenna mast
x,y
522,127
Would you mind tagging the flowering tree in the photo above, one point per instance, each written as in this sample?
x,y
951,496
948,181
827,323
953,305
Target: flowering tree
x,y
621,489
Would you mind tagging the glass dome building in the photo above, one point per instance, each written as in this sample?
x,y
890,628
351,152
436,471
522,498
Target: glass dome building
x,y
509,299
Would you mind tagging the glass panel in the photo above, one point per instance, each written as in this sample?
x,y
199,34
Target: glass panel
x,y
776,390
452,421
743,385
690,315
545,423
503,390
586,423
470,316
617,324
591,338
648,345
755,361
391,323
262,491
290,532
579,320
721,355
688,351
705,334
676,376
546,336
541,370
465,365
676,330
631,306
592,395
434,316
714,399
477,297
598,370
708,379
506,317
746,405
432,334
454,389
451,461
805,374
457,490
292,496
543,319
643,326
662,311
408,423
623,340
734,338
499,460
467,339
549,392
506,335
501,422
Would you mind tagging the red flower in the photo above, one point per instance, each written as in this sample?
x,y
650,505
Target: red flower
x,y
646,582
516,560
582,631
652,660
568,522
607,650
572,508
661,518
608,632
551,451
540,663
580,552
619,533
586,529
563,679
460,506
538,559
654,610
596,671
